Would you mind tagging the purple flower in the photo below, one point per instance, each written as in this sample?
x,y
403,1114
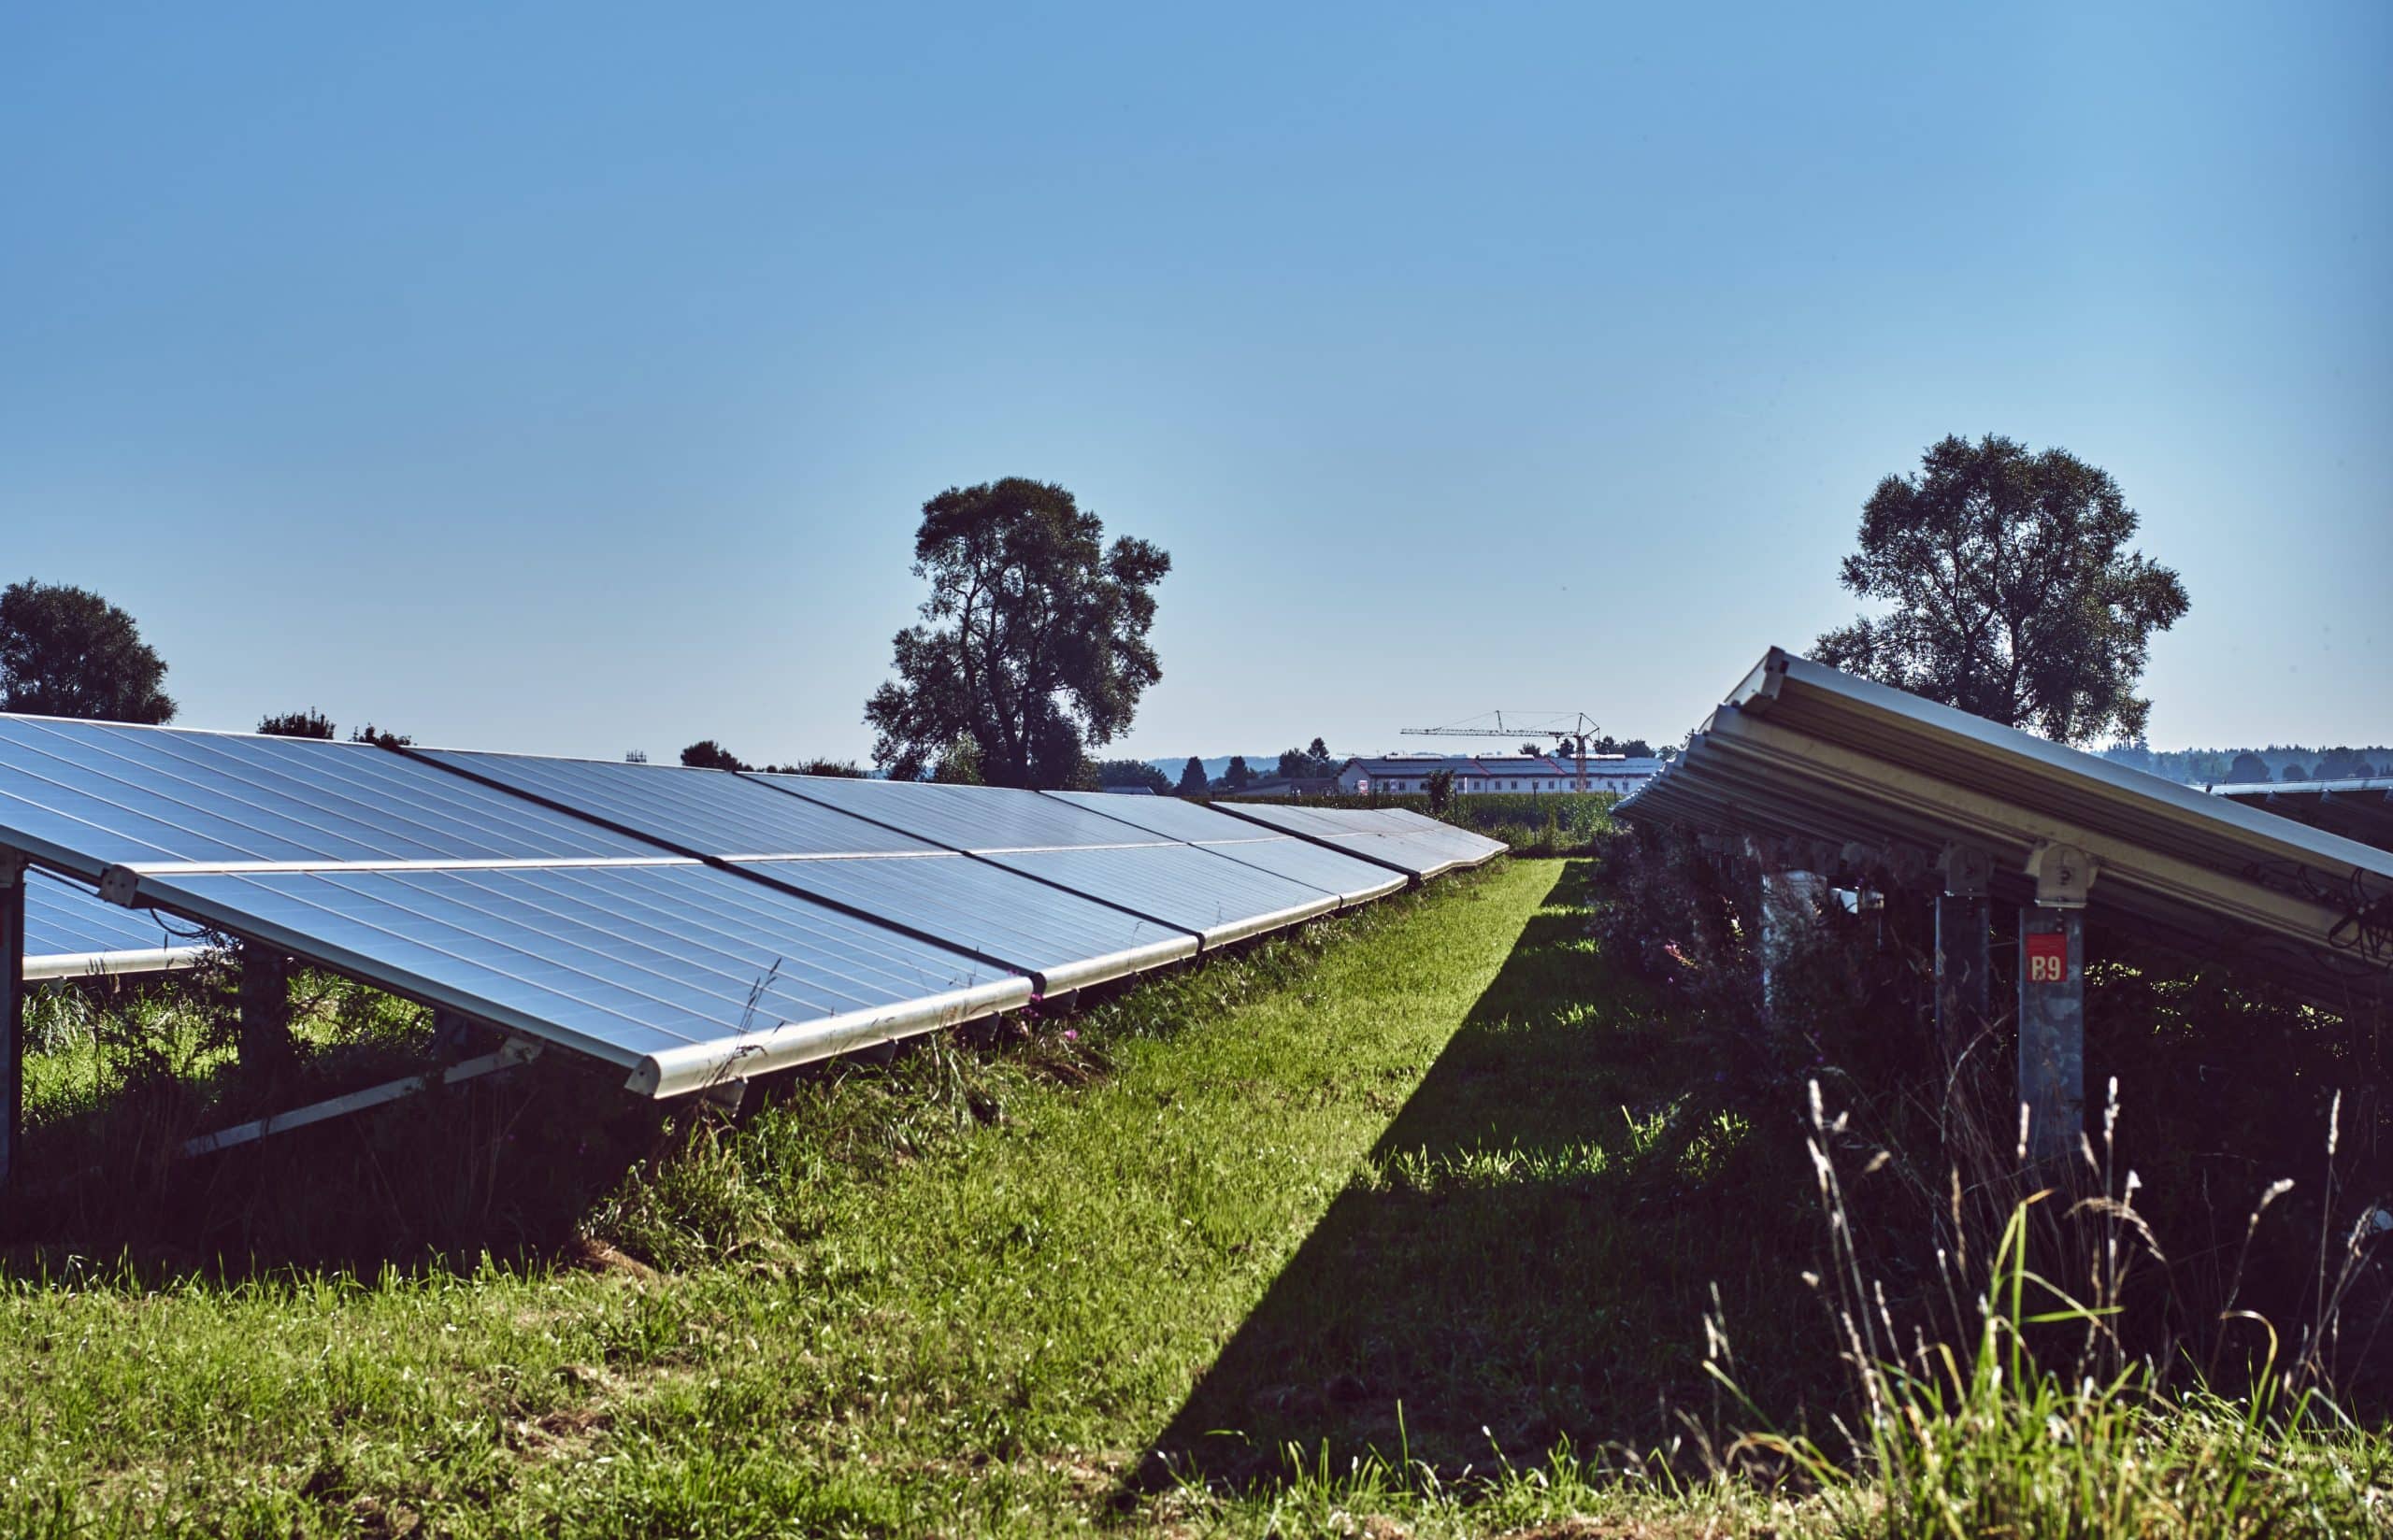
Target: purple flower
x,y
1071,1036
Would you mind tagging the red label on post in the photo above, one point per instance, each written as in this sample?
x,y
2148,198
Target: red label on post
x,y
2047,957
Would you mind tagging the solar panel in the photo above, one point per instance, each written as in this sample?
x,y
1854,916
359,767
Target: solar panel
x,y
968,818
70,933
1804,751
1078,848
701,812
1182,885
118,794
411,876
1394,837
2357,808
679,972
1067,939
1353,880
683,925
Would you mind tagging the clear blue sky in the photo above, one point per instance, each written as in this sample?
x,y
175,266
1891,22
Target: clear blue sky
x,y
570,380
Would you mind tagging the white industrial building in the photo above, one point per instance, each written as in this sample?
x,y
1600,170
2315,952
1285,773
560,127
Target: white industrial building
x,y
1399,773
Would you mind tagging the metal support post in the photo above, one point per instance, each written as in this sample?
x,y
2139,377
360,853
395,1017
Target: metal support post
x,y
267,1049
2052,1003
1964,949
1790,902
12,1015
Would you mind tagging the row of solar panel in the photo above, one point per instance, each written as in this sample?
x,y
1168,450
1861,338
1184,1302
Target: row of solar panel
x,y
683,923
1804,753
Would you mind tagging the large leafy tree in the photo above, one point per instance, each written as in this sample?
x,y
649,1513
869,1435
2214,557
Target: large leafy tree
x,y
1033,644
2013,592
1192,778
67,653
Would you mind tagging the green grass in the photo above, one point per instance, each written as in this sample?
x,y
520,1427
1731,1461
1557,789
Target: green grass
x,y
1406,1222
985,1316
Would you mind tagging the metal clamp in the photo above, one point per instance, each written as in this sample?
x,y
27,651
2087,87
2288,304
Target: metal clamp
x,y
122,885
2062,873
1968,869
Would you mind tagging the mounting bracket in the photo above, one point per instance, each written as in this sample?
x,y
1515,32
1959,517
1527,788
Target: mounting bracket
x,y
2063,873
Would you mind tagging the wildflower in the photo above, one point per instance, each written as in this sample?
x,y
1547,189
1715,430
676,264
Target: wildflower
x,y
1071,1035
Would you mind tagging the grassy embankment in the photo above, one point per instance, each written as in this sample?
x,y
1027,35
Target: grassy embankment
x,y
1373,1189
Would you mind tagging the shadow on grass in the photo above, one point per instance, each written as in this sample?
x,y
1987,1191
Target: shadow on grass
x,y
1529,1254
502,1169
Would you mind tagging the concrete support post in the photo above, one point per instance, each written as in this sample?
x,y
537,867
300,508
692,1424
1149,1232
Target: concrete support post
x,y
1964,949
2052,1003
267,1048
12,1015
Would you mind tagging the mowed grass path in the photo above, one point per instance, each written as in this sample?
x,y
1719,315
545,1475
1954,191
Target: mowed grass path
x,y
1000,1334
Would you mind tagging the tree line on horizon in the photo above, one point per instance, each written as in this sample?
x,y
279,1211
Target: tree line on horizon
x,y
2006,581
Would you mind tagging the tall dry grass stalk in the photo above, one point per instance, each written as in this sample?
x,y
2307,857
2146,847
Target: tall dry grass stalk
x,y
2007,1400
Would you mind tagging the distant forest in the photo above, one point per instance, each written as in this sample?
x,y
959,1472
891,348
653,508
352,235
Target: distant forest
x,y
2278,761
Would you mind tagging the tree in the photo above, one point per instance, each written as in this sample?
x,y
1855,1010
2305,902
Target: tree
x,y
1192,778
1293,764
1238,777
1530,750
1134,773
298,724
67,653
2248,767
1440,787
1318,753
2342,763
707,754
379,738
961,765
842,769
1637,749
1034,640
2016,596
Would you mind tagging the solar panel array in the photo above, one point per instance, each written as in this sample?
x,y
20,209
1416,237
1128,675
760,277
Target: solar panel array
x,y
2357,808
1802,752
1395,838
686,925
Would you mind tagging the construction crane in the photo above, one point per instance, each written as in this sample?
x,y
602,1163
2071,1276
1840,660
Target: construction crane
x,y
1582,727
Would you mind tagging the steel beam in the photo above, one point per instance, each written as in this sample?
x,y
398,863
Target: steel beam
x,y
515,1051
